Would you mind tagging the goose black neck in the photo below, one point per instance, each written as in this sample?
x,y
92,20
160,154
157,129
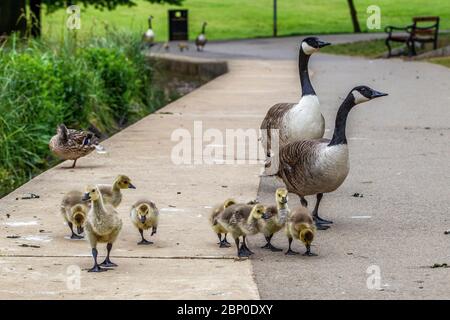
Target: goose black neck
x,y
150,23
303,60
341,121
203,28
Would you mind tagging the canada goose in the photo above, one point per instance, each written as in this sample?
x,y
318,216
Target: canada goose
x,y
216,226
276,217
319,166
241,220
149,36
296,121
70,144
103,225
183,46
74,212
201,40
300,226
112,193
144,216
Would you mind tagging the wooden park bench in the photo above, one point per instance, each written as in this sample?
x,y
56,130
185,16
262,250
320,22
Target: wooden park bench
x,y
413,33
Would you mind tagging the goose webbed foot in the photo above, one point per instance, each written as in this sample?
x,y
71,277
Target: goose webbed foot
x,y
75,236
291,252
243,253
321,226
322,221
144,242
97,268
247,250
108,263
271,247
224,244
308,252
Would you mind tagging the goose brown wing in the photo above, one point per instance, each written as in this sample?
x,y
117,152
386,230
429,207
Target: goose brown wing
x,y
274,119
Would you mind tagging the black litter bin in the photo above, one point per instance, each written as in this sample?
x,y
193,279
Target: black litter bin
x,y
178,25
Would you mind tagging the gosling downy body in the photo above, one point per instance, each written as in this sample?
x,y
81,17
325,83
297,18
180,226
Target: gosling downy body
x,y
74,212
201,40
144,215
276,216
240,221
103,225
112,194
216,226
295,121
70,144
300,226
309,167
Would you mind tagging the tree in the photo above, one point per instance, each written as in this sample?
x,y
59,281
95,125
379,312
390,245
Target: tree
x,y
11,11
356,27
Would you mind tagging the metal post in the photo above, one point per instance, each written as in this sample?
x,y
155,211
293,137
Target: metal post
x,y
274,18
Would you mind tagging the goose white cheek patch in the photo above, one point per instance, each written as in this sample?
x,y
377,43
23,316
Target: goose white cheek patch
x,y
308,49
359,97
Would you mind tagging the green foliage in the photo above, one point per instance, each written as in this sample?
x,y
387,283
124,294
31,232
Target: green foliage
x,y
102,4
104,82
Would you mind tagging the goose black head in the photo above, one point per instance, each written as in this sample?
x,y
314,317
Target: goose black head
x,y
312,44
364,93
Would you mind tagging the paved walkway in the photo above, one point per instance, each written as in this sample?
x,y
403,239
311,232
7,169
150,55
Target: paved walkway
x,y
399,162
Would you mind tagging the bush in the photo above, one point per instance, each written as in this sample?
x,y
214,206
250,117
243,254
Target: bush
x,y
103,82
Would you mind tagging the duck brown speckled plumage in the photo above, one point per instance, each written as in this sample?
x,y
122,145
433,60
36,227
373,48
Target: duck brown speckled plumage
x,y
70,144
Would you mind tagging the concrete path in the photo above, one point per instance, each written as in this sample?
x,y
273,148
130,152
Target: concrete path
x,y
282,48
399,149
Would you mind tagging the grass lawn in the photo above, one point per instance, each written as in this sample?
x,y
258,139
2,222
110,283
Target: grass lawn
x,y
445,61
375,48
232,19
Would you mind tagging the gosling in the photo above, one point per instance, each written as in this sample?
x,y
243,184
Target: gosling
x,y
112,194
300,225
144,215
276,218
103,225
242,220
74,212
216,226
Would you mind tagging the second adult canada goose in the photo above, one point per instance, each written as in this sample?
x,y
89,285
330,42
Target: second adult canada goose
x,y
318,166
296,121
201,40
149,36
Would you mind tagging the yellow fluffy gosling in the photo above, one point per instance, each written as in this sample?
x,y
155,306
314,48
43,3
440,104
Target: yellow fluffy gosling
x,y
216,226
103,225
300,226
112,194
144,216
241,220
74,212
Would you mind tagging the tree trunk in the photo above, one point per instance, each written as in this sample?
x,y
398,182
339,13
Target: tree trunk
x,y
35,17
12,16
355,21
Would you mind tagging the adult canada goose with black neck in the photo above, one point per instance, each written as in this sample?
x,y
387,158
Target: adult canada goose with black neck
x,y
318,166
296,121
201,40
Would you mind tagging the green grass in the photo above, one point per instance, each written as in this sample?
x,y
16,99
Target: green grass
x,y
370,49
375,48
445,61
232,19
104,83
